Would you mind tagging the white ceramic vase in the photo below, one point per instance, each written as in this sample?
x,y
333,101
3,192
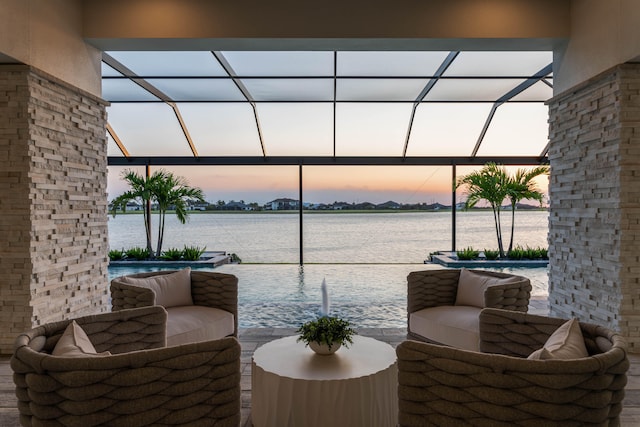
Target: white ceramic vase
x,y
323,349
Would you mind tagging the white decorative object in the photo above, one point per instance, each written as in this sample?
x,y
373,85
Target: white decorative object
x,y
324,311
323,349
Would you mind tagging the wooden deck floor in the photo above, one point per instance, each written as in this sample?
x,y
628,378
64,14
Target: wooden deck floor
x,y
251,339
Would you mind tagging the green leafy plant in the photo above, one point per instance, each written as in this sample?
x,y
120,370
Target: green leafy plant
x,y
172,254
544,253
138,254
467,254
491,255
165,190
517,253
193,253
235,258
116,254
494,184
327,330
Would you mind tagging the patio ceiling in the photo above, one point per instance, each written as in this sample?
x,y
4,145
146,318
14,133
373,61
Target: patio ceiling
x,y
324,107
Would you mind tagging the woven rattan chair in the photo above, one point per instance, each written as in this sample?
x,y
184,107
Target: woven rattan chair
x,y
444,386
142,383
208,289
433,315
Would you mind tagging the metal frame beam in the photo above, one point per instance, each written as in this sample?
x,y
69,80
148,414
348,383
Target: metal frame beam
x,y
245,92
425,91
539,76
322,161
125,71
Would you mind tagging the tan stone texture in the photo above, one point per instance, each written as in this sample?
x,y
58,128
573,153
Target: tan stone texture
x,y
53,227
594,222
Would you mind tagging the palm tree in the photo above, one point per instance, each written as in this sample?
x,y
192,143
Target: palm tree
x,y
173,191
163,188
490,184
141,192
520,187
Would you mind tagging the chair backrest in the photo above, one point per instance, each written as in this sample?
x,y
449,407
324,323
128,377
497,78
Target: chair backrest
x,y
195,383
447,386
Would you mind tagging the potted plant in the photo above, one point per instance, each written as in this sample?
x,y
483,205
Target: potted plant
x,y
326,335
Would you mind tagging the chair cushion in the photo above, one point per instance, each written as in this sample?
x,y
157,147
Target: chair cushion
x,y
171,290
196,323
74,342
471,287
566,342
456,326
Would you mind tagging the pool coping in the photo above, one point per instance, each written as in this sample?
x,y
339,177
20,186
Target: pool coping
x,y
448,259
208,259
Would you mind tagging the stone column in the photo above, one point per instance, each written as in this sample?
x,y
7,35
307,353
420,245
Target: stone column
x,y
594,222
53,202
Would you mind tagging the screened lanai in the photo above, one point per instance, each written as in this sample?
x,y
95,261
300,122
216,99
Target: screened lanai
x,y
315,107
327,108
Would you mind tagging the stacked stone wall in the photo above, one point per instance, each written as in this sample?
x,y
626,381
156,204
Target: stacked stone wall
x,y
60,205
15,207
595,202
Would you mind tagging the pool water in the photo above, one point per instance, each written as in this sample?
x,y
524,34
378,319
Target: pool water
x,y
368,295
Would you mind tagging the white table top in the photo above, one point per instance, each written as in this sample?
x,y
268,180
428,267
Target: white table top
x,y
287,358
355,387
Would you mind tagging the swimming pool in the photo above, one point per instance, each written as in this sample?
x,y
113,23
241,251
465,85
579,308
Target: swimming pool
x,y
368,295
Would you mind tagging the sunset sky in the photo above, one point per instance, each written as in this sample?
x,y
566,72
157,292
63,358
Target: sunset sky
x,y
326,104
402,184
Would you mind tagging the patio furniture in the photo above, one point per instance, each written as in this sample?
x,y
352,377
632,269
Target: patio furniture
x,y
201,305
444,386
443,305
140,383
355,387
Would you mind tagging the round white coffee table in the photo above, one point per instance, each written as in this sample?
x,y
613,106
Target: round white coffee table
x,y
293,386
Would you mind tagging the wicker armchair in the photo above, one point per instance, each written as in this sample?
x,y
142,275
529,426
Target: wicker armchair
x,y
141,383
444,386
208,289
433,315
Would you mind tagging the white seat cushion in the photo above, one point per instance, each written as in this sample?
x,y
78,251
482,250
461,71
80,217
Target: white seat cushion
x,y
194,323
457,326
171,290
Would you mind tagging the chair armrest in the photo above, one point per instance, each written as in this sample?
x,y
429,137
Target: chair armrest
x,y
447,386
431,288
198,382
116,332
124,295
511,296
217,290
514,333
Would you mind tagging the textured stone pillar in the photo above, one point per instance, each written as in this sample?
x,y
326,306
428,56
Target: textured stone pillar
x,y
53,202
594,222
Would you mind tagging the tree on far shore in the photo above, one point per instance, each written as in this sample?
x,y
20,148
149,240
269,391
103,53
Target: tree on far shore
x,y
163,188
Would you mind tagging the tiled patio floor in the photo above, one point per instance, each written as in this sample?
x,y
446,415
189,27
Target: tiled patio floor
x,y
251,339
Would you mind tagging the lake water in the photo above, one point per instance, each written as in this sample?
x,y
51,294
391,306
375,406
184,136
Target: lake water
x,y
403,237
364,258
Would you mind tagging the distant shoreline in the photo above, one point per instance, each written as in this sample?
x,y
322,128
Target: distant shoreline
x,y
332,211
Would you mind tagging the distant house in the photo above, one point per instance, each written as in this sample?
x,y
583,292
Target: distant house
x,y
282,205
198,206
236,206
338,206
436,206
364,206
133,206
388,205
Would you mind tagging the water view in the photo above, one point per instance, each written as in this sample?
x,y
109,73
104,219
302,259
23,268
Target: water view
x,y
402,237
364,258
